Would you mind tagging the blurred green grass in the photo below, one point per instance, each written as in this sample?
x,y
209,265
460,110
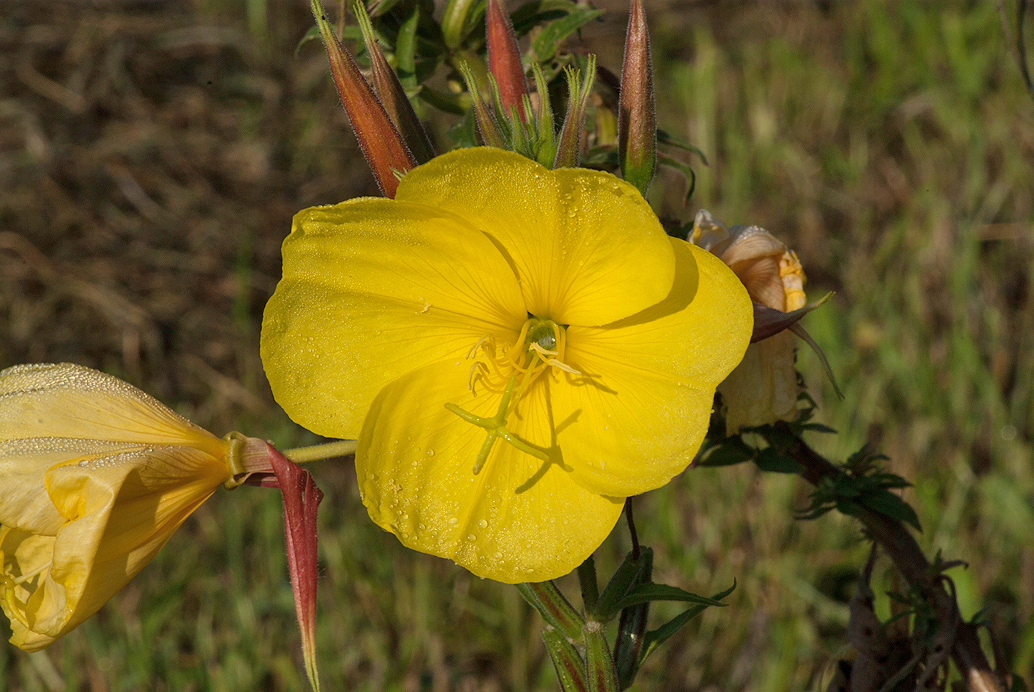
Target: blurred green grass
x,y
151,159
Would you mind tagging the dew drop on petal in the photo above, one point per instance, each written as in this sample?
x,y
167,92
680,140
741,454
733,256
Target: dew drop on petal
x,y
471,537
453,521
482,523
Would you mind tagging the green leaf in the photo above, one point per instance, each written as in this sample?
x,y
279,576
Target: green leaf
x,y
773,461
655,638
886,502
688,173
818,427
405,49
730,451
545,45
645,593
627,576
529,14
631,628
671,140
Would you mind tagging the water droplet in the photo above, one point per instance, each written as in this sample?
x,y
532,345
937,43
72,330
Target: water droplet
x,y
453,521
482,523
471,537
498,556
430,452
84,463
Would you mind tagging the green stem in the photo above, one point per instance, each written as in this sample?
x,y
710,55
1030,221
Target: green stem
x,y
327,450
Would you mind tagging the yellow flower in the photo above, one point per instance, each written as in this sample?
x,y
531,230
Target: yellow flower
x,y
516,350
95,476
763,387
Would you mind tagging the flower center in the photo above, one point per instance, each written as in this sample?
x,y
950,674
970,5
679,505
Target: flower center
x,y
539,347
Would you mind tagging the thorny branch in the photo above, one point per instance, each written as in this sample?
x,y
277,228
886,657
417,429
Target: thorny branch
x,y
913,565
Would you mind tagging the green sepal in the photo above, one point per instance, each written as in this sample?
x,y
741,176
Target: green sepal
x,y
554,607
598,662
546,145
568,150
488,125
567,662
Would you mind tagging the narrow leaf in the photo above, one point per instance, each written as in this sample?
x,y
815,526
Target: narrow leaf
x,y
687,172
547,43
645,593
772,460
655,638
886,502
666,138
488,126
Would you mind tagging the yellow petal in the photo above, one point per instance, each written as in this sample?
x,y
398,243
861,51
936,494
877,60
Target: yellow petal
x,y
373,289
120,509
519,519
587,247
23,467
66,400
643,402
763,387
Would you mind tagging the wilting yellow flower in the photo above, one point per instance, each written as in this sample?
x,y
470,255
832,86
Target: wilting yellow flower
x,y
95,476
763,387
516,350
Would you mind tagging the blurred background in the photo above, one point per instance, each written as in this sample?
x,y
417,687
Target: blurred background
x,y
152,155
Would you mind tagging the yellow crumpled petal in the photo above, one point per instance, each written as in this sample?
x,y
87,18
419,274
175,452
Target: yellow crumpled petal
x,y
489,276
96,477
763,387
